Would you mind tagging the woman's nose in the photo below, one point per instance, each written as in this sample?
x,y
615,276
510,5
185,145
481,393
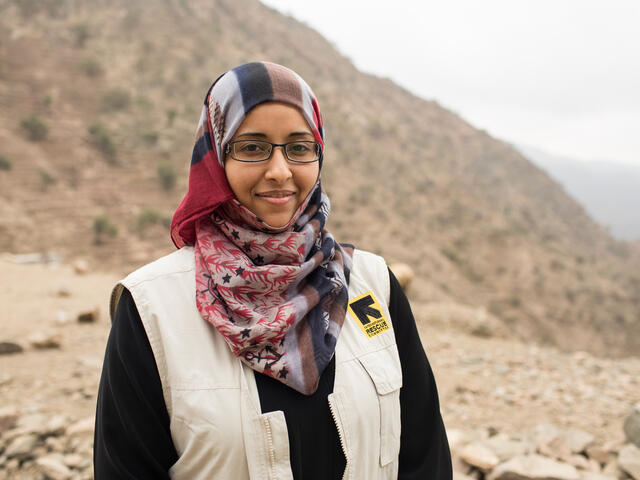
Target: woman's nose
x,y
278,166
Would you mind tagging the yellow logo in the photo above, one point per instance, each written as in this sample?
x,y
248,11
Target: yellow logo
x,y
367,312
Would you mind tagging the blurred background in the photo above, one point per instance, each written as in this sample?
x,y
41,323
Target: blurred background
x,y
492,148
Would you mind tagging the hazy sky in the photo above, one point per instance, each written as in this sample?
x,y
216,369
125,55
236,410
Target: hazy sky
x,y
561,75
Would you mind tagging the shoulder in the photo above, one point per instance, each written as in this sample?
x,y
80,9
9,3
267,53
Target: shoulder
x,y
370,269
181,261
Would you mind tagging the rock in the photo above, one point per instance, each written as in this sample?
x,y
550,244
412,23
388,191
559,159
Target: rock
x,y
461,476
506,448
579,461
596,476
7,348
63,291
479,456
55,444
456,438
57,425
613,469
81,267
89,316
544,434
83,426
44,340
403,273
8,418
62,317
21,448
533,467
577,440
599,453
74,460
632,425
33,423
53,467
629,460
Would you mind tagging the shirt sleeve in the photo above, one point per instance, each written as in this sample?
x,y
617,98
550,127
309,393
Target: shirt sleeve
x,y
424,449
132,436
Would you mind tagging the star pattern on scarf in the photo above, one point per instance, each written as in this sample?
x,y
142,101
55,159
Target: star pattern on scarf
x,y
259,260
226,278
283,372
247,246
235,234
245,333
239,271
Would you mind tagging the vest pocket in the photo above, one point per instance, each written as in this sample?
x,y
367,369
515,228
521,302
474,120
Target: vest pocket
x,y
384,369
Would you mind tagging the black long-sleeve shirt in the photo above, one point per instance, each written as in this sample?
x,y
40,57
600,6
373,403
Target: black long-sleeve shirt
x,y
133,438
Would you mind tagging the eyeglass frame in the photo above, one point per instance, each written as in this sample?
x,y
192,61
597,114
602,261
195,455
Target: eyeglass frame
x,y
317,145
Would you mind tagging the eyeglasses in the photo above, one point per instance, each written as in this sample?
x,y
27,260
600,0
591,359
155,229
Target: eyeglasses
x,y
259,151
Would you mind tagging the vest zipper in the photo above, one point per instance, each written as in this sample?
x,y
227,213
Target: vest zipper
x,y
340,436
272,456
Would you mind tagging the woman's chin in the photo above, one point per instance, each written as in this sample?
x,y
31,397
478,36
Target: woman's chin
x,y
277,220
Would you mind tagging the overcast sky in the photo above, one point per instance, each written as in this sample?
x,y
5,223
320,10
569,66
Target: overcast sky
x,y
559,75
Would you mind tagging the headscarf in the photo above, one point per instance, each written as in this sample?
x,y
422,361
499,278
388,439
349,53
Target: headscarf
x,y
278,296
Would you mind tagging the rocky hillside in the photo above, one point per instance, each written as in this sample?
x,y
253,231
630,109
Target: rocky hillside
x,y
99,101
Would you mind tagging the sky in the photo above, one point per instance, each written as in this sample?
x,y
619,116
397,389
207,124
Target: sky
x,y
559,75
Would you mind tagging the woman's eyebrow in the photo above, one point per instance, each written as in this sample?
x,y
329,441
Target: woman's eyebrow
x,y
252,134
297,134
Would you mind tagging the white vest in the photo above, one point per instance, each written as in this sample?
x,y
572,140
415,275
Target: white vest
x,y
217,426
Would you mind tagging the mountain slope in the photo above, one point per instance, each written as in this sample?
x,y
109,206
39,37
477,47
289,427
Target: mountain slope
x,y
119,87
610,192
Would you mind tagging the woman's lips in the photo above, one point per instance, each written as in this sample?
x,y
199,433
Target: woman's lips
x,y
276,197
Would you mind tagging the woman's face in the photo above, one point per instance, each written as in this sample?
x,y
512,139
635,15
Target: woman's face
x,y
273,189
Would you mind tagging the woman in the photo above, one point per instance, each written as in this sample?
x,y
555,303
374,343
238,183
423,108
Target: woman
x,y
262,348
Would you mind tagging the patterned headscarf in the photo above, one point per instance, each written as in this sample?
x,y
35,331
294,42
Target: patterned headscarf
x,y
279,295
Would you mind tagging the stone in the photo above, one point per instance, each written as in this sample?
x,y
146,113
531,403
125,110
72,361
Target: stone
x,y
544,434
461,476
506,448
577,440
81,267
578,461
33,423
63,291
456,438
83,426
44,340
629,460
599,453
613,469
56,425
53,467
403,273
596,476
479,456
89,316
21,448
74,460
632,425
62,317
8,348
8,418
55,444
534,467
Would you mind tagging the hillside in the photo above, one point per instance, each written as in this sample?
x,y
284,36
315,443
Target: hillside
x,y
609,191
99,101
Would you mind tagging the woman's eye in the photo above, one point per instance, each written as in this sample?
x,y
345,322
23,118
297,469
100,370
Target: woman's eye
x,y
251,147
299,148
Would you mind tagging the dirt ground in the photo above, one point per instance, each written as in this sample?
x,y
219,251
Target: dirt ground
x,y
484,383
